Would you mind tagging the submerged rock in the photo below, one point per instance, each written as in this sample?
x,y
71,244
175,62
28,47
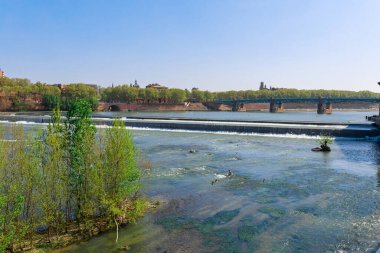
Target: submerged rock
x,y
322,148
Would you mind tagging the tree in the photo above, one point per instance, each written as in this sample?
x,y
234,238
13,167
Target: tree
x,y
177,96
80,137
151,94
50,101
53,193
76,91
121,177
198,95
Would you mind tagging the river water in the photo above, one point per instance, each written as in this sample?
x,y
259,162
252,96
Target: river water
x,y
299,116
282,197
311,116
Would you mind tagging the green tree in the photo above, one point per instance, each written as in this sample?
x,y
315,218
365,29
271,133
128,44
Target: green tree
x,y
121,177
80,139
151,95
198,95
177,96
50,101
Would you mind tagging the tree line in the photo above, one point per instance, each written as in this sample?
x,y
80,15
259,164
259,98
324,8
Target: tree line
x,y
66,178
127,94
21,91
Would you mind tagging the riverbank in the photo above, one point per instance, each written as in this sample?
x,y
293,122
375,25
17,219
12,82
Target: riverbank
x,y
43,239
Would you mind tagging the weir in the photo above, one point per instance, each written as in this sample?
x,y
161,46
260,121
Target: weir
x,y
358,130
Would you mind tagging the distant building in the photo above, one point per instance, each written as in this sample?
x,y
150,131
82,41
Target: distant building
x,y
1,73
135,85
263,86
155,86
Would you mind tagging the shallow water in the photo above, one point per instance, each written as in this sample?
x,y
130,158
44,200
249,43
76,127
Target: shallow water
x,y
282,197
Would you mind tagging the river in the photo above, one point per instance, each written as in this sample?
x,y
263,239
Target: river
x,y
282,197
309,116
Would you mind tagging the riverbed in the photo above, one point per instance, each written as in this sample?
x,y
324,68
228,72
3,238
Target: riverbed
x,y
281,198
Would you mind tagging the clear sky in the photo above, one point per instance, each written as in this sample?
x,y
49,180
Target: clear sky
x,y
210,44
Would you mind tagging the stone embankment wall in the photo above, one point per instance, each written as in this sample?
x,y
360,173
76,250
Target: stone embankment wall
x,y
11,101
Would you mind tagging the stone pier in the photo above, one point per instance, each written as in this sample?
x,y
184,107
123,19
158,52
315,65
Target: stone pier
x,y
324,108
276,107
238,107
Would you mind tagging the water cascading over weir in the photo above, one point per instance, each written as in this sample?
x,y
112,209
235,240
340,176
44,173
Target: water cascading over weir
x,y
357,131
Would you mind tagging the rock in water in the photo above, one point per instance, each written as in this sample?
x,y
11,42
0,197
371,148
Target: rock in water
x,y
322,149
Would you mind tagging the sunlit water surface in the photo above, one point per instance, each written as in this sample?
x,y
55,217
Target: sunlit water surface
x,y
312,116
282,197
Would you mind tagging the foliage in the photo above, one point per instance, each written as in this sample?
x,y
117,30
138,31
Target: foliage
x,y
64,174
22,92
124,93
50,101
325,139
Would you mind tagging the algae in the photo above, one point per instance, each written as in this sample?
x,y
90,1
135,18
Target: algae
x,y
273,212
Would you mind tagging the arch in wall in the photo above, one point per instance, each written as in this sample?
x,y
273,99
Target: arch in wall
x,y
114,108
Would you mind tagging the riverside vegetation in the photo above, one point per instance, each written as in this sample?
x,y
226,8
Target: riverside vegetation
x,y
67,183
22,93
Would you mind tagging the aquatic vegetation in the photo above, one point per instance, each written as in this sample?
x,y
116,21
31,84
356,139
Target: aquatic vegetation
x,y
247,233
177,222
309,209
273,212
222,217
225,238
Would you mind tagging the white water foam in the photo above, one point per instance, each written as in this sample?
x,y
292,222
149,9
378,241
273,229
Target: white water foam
x,y
242,123
287,136
219,176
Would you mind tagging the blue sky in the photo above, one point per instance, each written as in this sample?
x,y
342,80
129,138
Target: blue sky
x,y
210,44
